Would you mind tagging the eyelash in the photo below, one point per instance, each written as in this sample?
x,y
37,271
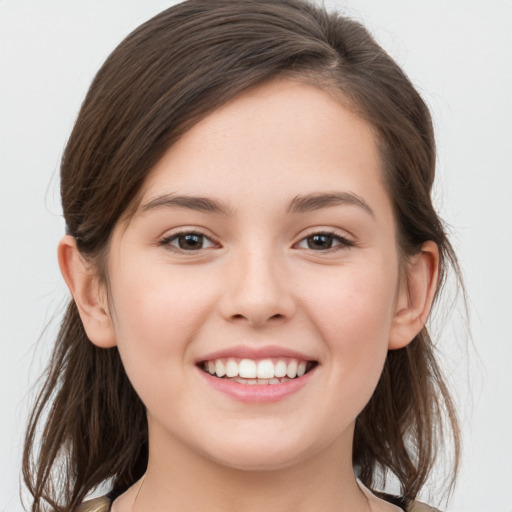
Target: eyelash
x,y
343,243
167,241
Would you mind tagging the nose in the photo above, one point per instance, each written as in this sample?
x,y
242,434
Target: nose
x,y
257,291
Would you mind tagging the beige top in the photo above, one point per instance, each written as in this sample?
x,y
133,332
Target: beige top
x,y
103,504
378,505
96,505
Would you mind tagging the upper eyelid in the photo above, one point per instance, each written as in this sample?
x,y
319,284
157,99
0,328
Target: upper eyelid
x,y
334,232
186,230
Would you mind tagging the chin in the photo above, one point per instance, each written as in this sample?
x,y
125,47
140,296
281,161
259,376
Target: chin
x,y
265,454
251,461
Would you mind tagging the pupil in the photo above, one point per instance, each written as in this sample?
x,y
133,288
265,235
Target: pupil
x,y
320,242
190,241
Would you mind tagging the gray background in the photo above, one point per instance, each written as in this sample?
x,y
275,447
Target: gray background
x,y
458,53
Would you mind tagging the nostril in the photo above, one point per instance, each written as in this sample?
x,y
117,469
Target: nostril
x,y
238,316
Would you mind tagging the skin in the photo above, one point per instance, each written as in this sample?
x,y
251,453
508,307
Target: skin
x,y
257,280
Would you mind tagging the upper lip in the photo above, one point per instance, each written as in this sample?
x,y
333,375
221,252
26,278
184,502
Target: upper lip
x,y
262,352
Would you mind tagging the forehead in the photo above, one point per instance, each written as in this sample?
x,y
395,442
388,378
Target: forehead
x,y
283,138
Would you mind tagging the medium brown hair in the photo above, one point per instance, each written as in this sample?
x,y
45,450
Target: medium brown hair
x,y
163,78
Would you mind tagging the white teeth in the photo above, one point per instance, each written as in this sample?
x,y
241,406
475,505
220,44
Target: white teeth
x,y
231,368
252,382
266,369
291,369
219,368
280,369
247,369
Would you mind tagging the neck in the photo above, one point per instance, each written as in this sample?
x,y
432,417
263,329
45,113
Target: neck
x,y
179,479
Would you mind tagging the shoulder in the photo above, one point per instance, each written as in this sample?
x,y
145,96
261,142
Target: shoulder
x,y
421,507
95,505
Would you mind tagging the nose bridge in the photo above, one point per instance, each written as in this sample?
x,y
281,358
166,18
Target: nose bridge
x,y
257,290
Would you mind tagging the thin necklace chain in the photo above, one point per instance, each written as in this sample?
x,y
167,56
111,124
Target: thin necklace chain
x,y
138,492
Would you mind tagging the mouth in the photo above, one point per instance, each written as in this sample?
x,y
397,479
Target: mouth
x,y
261,372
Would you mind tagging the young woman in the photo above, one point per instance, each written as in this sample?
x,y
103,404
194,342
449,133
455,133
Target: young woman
x,y
252,255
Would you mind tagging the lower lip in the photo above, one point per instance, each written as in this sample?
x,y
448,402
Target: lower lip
x,y
257,393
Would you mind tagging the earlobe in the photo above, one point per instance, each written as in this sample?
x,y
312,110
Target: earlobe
x,y
89,296
415,296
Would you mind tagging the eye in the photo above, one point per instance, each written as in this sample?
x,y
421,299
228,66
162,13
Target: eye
x,y
188,241
324,242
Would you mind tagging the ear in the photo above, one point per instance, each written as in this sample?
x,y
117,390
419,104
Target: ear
x,y
89,295
415,296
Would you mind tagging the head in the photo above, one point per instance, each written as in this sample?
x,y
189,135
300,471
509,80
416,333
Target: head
x,y
154,98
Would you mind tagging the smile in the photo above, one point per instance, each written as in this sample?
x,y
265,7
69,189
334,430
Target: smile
x,y
257,372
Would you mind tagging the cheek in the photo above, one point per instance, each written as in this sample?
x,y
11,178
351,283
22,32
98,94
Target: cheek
x,y
156,315
353,302
353,315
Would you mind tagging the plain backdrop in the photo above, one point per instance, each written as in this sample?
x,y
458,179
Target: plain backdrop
x,y
459,55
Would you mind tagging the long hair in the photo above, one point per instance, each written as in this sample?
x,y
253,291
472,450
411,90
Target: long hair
x,y
88,425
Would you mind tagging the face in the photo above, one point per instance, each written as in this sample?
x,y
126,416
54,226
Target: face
x,y
253,292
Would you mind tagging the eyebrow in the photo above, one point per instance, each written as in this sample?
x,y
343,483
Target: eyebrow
x,y
318,201
202,204
299,204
